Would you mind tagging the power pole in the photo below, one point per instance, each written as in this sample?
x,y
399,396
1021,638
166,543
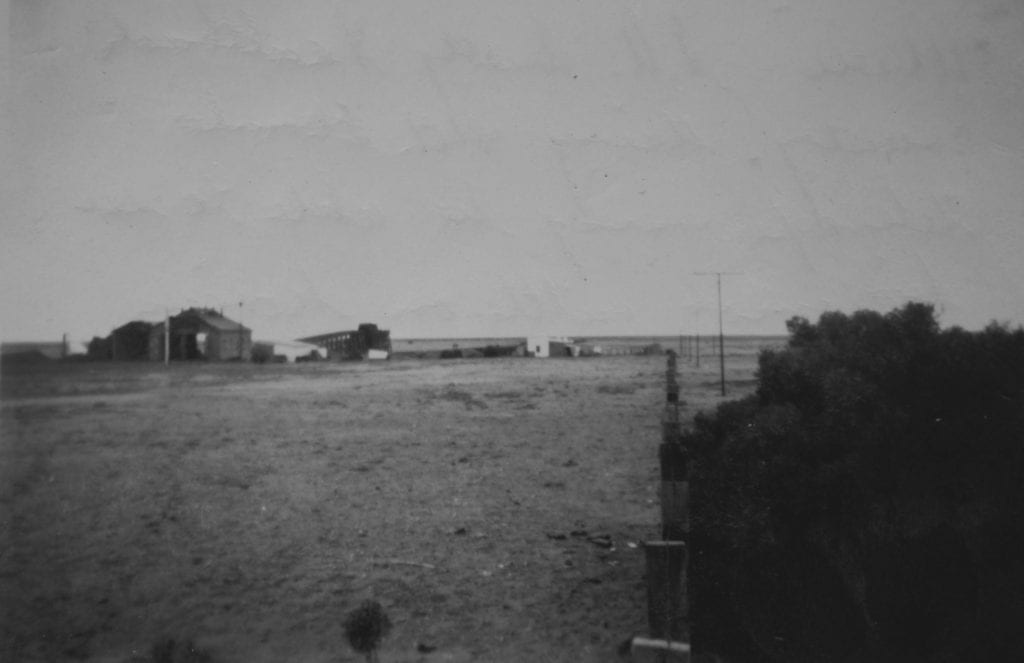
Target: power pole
x,y
241,333
697,340
167,338
721,335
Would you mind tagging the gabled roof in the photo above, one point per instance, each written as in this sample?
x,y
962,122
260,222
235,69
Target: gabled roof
x,y
207,317
218,321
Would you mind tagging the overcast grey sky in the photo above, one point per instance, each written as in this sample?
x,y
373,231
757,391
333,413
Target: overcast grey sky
x,y
502,168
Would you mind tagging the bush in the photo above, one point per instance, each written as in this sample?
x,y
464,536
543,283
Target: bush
x,y
874,444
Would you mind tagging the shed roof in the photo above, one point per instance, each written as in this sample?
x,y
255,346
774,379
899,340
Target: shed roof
x,y
365,326
217,321
44,348
207,317
135,326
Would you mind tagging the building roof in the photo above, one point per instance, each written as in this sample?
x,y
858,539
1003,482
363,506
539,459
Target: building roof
x,y
46,349
217,321
135,326
292,345
207,317
321,338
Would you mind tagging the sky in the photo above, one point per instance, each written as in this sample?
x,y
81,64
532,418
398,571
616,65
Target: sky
x,y
467,168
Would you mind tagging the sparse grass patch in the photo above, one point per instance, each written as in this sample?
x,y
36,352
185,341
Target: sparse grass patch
x,y
616,389
453,393
508,395
168,650
175,544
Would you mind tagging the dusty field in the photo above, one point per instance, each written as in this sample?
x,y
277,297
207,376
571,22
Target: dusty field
x,y
249,508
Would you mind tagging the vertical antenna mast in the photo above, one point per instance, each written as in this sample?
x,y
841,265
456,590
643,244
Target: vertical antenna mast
x,y
721,335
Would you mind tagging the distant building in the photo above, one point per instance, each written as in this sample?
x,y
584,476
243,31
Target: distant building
x,y
551,346
33,350
356,344
563,347
130,342
201,333
538,346
279,352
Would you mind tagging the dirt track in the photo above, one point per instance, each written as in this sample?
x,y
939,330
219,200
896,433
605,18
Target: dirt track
x,y
249,508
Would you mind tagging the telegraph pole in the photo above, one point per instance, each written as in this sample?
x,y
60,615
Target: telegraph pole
x,y
721,335
697,339
167,338
240,332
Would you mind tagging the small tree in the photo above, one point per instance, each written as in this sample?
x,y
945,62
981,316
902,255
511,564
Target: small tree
x,y
365,627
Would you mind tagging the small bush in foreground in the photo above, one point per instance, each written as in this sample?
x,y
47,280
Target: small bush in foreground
x,y
366,627
169,650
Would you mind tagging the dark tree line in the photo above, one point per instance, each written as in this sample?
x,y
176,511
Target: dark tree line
x,y
865,504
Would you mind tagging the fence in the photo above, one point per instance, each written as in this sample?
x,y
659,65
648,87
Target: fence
x,y
667,559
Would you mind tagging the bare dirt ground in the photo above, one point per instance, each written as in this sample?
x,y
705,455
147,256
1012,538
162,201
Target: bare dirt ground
x,y
249,508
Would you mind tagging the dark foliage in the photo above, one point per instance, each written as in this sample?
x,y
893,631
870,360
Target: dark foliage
x,y
99,348
498,350
861,505
27,357
312,355
130,342
169,650
262,353
366,626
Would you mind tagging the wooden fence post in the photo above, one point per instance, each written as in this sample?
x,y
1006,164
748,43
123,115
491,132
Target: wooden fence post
x,y
666,590
674,493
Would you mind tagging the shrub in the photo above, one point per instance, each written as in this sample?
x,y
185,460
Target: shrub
x,y
869,438
498,350
167,650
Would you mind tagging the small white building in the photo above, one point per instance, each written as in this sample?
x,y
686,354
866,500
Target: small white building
x,y
538,346
547,346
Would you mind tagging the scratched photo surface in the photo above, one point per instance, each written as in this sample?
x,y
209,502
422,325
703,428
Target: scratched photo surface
x,y
312,304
